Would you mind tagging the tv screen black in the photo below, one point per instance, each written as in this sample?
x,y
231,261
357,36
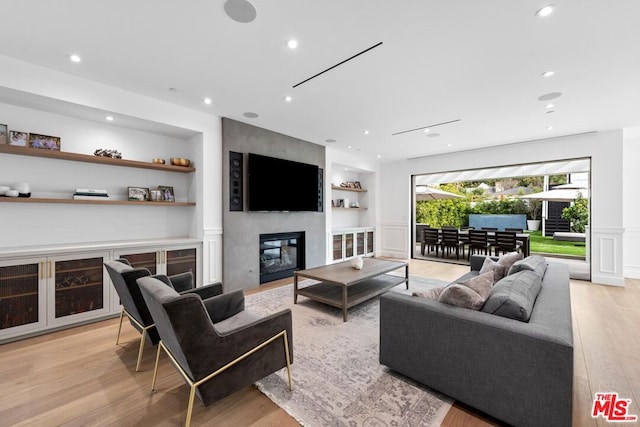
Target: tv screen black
x,y
281,185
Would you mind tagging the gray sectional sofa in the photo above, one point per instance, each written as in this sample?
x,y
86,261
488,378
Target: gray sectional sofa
x,y
518,372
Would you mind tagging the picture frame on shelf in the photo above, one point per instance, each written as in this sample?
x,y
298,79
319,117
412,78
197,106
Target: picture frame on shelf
x,y
351,184
3,134
19,139
357,185
167,193
44,142
138,194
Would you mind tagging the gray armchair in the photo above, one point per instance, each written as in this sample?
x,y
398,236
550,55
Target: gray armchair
x,y
217,346
124,278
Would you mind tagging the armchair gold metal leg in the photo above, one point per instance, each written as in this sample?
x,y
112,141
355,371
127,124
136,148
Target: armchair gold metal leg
x,y
192,395
286,352
144,330
142,340
155,369
194,384
120,326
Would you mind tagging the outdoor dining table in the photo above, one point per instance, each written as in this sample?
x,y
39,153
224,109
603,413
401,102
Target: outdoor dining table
x,y
522,237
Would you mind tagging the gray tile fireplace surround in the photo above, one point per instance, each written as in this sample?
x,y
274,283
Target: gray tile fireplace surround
x,y
241,230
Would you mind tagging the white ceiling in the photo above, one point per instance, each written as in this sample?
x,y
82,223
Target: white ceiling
x,y
477,61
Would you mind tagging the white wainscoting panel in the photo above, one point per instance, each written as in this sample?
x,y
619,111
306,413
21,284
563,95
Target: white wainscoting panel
x,y
607,263
212,255
394,239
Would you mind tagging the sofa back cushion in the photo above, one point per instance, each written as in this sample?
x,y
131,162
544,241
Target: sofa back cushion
x,y
514,296
534,263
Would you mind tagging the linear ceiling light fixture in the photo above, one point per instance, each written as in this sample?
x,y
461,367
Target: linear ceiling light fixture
x,y
338,64
425,127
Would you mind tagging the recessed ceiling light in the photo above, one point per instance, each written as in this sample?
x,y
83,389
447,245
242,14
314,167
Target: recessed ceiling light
x,y
366,132
288,98
548,73
545,11
550,128
109,118
292,44
75,58
379,156
448,145
426,130
348,146
240,10
549,106
251,115
207,101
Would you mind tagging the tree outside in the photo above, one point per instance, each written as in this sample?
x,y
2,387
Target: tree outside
x,y
577,214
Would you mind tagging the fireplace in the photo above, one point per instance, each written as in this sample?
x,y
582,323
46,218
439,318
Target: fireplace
x,y
280,255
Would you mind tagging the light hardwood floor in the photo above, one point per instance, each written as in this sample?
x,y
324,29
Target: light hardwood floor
x,y
79,377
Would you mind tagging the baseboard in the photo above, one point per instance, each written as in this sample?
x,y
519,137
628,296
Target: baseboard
x,y
632,272
607,280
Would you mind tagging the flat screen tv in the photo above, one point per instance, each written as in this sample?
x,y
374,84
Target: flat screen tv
x,y
282,185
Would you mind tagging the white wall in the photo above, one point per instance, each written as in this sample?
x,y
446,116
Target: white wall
x,y
604,149
631,202
59,104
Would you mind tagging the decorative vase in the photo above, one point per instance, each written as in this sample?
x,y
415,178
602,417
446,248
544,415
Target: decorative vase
x,y
357,263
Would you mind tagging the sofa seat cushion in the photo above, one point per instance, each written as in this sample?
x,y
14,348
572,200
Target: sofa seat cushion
x,y
534,263
235,322
471,293
514,296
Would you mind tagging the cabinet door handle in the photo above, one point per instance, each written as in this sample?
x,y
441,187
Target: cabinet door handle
x,y
50,269
42,266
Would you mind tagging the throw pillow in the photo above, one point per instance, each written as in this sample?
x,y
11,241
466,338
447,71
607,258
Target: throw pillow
x,y
507,260
534,263
498,270
461,296
482,284
514,296
431,293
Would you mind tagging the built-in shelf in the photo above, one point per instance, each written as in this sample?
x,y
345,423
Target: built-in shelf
x,y
349,209
90,202
356,190
61,155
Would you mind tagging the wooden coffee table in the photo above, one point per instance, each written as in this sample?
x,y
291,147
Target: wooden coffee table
x,y
343,286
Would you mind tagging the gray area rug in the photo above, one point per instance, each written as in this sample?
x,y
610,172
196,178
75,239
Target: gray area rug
x,y
337,378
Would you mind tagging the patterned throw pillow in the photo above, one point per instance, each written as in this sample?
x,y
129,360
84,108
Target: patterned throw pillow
x,y
461,296
499,271
482,284
431,293
471,293
507,260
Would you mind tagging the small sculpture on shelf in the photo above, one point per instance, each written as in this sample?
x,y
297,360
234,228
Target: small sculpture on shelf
x,y
351,184
102,152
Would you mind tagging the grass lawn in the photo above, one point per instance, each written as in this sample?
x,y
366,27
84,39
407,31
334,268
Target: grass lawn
x,y
540,243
